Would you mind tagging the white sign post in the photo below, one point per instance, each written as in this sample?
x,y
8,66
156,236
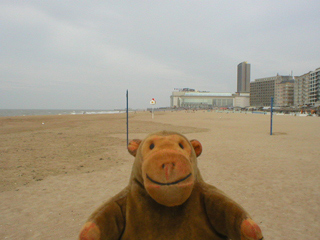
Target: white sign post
x,y
152,102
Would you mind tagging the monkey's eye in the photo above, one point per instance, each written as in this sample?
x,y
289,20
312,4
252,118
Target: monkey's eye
x,y
180,144
151,146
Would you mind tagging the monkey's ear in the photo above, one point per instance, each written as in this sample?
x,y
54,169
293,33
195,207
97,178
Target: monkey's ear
x,y
196,146
133,146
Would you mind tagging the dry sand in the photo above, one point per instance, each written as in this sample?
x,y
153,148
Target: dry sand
x,y
55,170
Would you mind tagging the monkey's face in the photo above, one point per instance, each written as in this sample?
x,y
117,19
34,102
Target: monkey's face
x,y
168,168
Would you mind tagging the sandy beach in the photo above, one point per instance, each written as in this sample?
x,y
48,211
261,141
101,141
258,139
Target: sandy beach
x,y
56,170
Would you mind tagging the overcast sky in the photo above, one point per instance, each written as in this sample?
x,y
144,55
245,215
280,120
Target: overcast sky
x,y
59,54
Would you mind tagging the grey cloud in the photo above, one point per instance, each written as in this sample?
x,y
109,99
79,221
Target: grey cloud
x,y
87,53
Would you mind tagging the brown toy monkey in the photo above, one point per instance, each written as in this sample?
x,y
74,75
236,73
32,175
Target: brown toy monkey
x,y
167,199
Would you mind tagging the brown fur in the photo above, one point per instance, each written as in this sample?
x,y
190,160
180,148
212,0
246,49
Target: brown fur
x,y
167,199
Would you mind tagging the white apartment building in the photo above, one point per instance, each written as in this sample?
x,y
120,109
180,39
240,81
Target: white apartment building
x,y
307,89
301,89
314,89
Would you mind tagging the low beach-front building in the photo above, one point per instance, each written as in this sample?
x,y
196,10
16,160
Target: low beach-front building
x,y
190,98
241,100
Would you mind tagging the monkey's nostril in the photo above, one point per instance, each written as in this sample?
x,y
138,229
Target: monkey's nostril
x,y
163,165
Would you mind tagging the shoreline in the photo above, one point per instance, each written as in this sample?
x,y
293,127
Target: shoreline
x,y
53,112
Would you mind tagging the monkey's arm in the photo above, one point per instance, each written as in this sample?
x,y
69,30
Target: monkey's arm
x,y
107,222
228,218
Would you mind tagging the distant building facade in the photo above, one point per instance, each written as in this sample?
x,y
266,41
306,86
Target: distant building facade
x,y
243,78
314,90
279,87
284,93
301,89
184,98
261,91
241,100
307,89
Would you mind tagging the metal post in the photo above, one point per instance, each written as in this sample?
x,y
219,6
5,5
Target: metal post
x,y
271,113
127,119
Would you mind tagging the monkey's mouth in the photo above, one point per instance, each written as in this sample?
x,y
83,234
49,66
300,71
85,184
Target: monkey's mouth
x,y
171,183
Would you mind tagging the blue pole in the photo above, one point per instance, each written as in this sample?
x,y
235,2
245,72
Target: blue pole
x,y
271,113
127,119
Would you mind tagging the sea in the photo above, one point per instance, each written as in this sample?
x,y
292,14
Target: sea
x,y
32,112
